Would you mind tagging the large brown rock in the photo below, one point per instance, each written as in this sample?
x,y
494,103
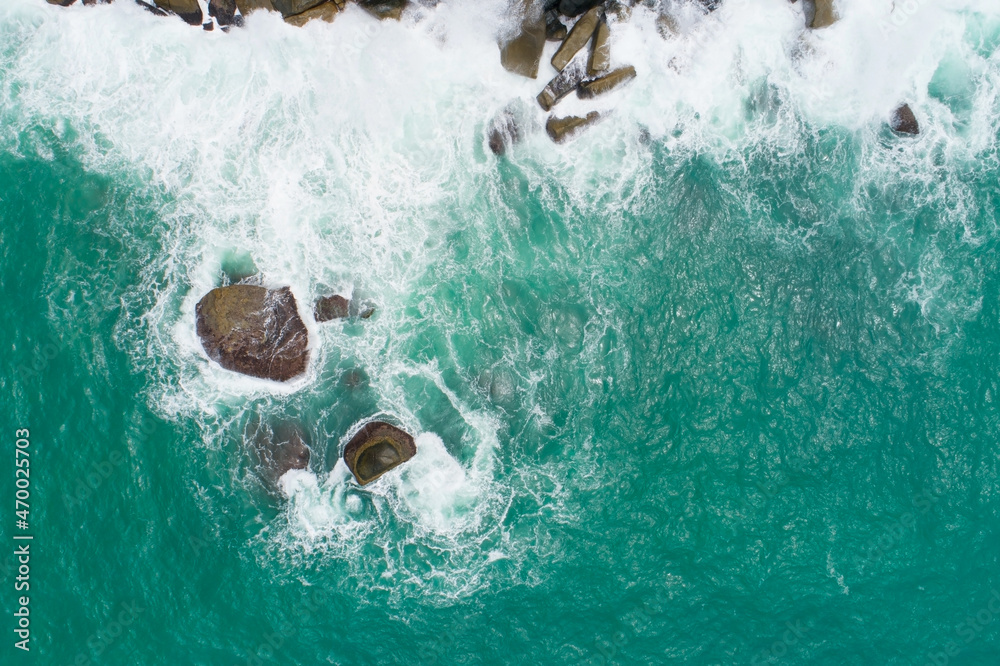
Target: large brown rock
x,y
560,129
563,84
325,12
577,38
254,331
904,122
825,14
523,54
376,449
293,7
189,10
600,50
248,6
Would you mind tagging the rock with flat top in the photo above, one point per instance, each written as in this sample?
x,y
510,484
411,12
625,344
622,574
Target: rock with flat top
x,y
377,448
825,14
248,6
578,37
600,50
904,122
563,84
561,129
523,53
606,83
254,331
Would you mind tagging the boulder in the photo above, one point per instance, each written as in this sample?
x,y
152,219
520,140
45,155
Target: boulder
x,y
563,84
825,14
332,307
248,6
904,122
376,449
577,38
576,7
600,50
189,10
223,11
61,3
151,8
293,7
254,331
560,129
325,12
384,9
523,54
606,83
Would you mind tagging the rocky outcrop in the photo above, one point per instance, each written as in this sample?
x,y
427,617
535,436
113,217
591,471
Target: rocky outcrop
x,y
561,129
600,50
377,448
563,84
254,331
293,7
606,83
825,14
384,9
904,122
577,38
523,54
189,10
576,7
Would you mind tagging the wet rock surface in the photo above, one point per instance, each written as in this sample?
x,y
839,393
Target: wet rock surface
x,y
578,37
523,54
384,9
324,12
189,10
563,84
606,83
561,129
503,133
254,331
332,307
825,14
280,450
377,448
903,121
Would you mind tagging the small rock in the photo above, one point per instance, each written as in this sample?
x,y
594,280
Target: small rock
x,y
606,83
600,50
254,331
825,14
332,307
560,129
377,448
366,311
577,38
523,54
188,10
904,122
208,26
563,84
384,9
61,3
354,378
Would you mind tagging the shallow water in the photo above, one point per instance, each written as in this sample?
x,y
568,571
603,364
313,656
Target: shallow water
x,y
715,382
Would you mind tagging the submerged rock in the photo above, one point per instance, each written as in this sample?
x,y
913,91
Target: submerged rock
x,y
254,331
606,83
503,132
523,54
825,14
560,129
904,122
332,307
189,10
600,50
563,84
279,451
384,9
577,38
376,449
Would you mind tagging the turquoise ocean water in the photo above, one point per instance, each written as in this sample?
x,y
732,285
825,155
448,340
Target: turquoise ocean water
x,y
714,383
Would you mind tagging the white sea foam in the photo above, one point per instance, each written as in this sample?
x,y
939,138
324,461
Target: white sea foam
x,y
334,154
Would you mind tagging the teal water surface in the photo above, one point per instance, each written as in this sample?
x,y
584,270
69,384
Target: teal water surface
x,y
722,394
